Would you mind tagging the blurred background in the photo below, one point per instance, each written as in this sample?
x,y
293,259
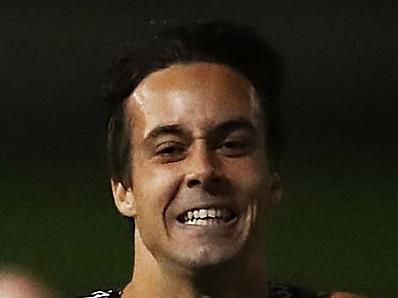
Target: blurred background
x,y
337,225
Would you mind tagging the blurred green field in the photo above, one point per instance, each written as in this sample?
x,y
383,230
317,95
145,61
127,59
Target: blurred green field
x,y
335,229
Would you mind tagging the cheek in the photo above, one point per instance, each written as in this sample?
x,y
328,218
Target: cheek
x,y
248,171
154,187
250,180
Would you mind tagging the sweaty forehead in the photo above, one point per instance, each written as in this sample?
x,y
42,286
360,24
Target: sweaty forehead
x,y
199,72
193,95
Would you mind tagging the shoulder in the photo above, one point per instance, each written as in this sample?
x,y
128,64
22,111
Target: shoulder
x,y
289,291
342,295
112,293
276,291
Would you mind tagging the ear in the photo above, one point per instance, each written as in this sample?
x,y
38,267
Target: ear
x,y
124,199
276,189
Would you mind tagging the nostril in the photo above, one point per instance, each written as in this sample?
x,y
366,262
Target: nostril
x,y
213,181
193,182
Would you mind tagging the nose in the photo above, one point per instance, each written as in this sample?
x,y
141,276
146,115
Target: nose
x,y
203,169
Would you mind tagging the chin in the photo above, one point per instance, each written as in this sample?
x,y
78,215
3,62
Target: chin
x,y
209,256
196,249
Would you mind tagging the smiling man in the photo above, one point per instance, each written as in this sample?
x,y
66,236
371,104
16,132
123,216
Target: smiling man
x,y
193,140
195,132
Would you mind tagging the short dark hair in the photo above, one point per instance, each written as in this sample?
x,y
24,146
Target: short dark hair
x,y
217,42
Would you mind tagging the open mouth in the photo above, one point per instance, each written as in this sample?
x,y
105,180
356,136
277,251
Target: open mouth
x,y
207,216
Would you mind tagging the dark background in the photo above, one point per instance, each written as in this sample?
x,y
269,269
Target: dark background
x,y
337,225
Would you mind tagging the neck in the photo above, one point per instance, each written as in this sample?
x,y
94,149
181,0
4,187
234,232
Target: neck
x,y
244,277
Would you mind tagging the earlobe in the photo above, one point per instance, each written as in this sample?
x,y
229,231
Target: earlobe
x,y
276,189
124,199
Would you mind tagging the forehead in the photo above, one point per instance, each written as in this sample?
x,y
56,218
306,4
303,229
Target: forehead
x,y
196,95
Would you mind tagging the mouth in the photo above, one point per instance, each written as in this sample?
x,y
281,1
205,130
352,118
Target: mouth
x,y
211,216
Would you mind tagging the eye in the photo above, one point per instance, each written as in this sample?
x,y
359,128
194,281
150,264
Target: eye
x,y
170,151
234,148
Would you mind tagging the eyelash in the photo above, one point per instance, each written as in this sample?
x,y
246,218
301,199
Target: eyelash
x,y
170,150
165,149
175,151
235,148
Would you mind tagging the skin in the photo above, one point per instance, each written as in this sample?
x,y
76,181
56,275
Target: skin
x,y
346,295
197,133
198,138
20,285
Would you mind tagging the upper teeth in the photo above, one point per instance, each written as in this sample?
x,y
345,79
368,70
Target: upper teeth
x,y
207,213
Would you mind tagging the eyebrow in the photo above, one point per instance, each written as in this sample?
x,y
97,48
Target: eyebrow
x,y
225,127
160,130
235,124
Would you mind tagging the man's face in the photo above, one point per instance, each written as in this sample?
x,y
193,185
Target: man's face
x,y
200,180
